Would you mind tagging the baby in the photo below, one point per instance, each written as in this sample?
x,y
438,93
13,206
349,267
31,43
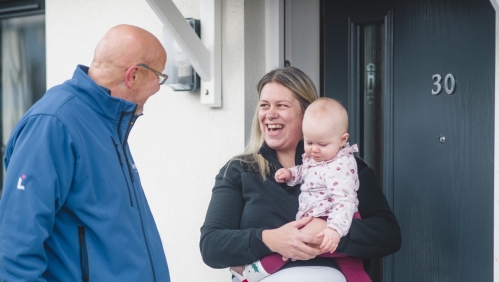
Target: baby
x,y
329,184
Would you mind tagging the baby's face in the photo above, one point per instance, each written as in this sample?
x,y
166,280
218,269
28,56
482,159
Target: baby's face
x,y
322,141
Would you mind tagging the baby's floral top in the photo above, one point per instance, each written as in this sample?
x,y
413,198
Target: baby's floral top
x,y
329,188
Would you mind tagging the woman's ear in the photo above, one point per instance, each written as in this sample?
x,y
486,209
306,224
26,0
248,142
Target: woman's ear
x,y
131,76
344,139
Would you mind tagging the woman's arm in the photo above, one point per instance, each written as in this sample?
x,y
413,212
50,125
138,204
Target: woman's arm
x,y
377,234
224,244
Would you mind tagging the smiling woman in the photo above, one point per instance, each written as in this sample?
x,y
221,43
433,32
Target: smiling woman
x,y
251,216
280,117
293,87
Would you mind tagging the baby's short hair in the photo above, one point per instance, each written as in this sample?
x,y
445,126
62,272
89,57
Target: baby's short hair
x,y
330,109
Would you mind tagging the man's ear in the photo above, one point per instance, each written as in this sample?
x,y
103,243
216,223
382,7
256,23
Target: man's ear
x,y
131,76
344,139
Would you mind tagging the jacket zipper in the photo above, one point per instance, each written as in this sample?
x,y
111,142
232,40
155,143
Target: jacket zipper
x,y
84,267
128,165
121,163
124,146
134,192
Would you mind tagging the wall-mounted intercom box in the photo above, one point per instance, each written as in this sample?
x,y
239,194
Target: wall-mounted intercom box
x,y
181,74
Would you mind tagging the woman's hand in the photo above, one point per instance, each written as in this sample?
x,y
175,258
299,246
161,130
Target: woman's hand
x,y
290,242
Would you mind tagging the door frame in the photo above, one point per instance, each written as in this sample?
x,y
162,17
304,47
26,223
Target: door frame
x,y
354,78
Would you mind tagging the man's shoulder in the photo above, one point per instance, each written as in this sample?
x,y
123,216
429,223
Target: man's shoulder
x,y
57,101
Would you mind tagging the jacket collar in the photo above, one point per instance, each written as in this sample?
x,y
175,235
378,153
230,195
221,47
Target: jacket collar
x,y
271,156
97,97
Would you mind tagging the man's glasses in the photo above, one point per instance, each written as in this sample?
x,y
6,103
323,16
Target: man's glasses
x,y
161,76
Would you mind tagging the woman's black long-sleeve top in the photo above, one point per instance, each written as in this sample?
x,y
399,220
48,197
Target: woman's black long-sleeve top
x,y
243,205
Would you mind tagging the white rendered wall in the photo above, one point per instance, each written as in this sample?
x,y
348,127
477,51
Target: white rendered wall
x,y
178,144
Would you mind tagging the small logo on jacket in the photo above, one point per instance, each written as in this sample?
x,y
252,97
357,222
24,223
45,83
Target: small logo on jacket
x,y
20,186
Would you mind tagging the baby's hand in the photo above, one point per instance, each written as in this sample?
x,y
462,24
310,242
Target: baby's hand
x,y
282,175
330,241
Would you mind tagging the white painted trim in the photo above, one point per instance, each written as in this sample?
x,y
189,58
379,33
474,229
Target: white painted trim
x,y
292,32
211,35
185,36
302,37
204,54
495,4
274,34
289,31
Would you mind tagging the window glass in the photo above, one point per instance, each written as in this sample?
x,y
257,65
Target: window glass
x,y
23,69
371,102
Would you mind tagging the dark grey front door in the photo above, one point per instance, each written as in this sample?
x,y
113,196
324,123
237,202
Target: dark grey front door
x,y
417,77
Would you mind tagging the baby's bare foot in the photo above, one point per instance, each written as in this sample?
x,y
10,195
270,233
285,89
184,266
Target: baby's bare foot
x,y
238,269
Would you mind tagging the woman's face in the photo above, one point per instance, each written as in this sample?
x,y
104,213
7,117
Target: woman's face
x,y
280,117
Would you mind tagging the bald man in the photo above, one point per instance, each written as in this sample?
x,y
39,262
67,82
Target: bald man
x,y
73,208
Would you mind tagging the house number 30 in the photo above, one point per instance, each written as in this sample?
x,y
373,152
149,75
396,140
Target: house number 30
x,y
449,84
